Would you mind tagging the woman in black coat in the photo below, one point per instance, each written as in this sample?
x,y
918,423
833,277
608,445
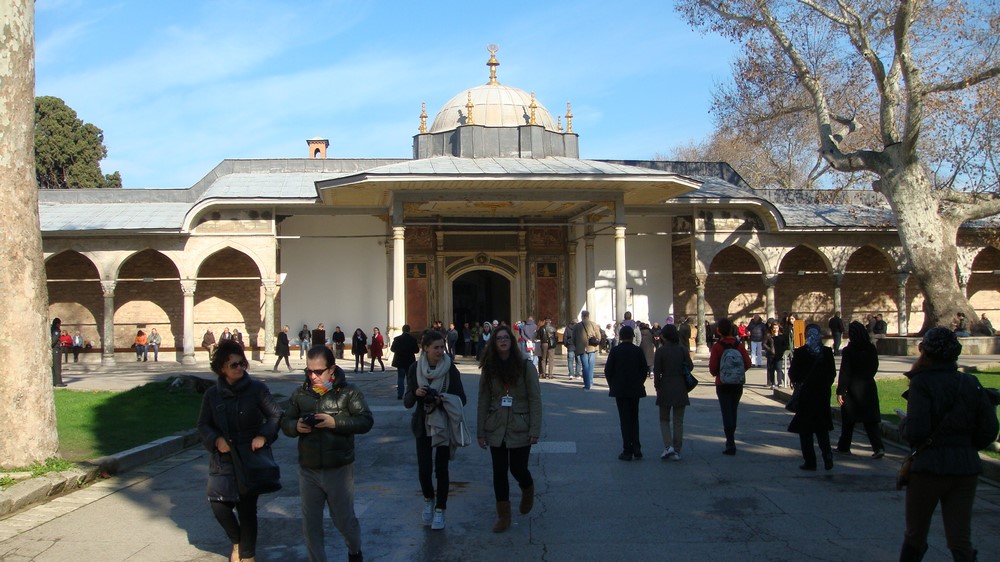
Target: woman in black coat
x,y
812,373
282,351
857,393
237,410
670,365
359,346
626,371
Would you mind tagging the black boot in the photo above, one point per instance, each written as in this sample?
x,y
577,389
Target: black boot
x,y
910,553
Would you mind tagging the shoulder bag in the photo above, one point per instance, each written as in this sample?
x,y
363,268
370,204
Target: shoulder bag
x,y
256,471
689,381
903,476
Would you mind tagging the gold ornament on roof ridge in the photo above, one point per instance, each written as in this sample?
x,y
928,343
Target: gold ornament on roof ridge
x,y
423,117
559,123
569,119
532,106
468,111
493,63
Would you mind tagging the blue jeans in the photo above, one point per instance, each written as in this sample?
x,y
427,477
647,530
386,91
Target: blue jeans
x,y
587,366
303,348
571,362
140,352
400,381
156,351
756,357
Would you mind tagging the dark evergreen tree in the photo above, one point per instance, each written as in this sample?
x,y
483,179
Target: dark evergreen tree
x,y
68,151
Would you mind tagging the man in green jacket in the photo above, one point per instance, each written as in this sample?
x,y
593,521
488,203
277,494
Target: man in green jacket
x,y
325,413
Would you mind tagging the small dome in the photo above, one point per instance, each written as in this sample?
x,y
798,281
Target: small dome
x,y
494,105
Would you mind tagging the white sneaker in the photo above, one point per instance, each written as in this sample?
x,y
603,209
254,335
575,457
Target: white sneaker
x,y
438,522
677,456
428,513
668,452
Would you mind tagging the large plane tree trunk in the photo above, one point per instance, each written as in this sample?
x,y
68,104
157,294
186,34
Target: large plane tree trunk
x,y
27,411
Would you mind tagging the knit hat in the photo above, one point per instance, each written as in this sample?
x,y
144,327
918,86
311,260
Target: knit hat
x,y
942,344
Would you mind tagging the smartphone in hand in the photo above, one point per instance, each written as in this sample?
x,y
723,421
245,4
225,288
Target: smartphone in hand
x,y
900,413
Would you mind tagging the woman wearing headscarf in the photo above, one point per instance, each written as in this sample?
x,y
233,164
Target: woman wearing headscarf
x,y
812,373
856,391
428,380
948,420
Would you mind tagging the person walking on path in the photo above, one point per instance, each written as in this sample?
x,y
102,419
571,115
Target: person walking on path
x,y
429,382
359,346
587,335
812,373
646,344
325,413
836,326
949,418
572,363
857,392
671,363
508,420
626,371
235,411
378,344
55,330
404,350
730,376
304,335
547,354
756,330
282,350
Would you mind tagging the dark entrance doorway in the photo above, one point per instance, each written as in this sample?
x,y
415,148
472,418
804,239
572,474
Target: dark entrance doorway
x,y
480,296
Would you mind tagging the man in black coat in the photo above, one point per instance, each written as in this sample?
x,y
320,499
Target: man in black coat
x,y
625,371
836,326
404,350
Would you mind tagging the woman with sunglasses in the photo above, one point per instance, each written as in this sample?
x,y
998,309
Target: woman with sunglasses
x,y
429,382
509,419
236,410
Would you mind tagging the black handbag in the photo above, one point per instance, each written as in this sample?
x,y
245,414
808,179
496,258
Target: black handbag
x,y
256,471
793,402
689,381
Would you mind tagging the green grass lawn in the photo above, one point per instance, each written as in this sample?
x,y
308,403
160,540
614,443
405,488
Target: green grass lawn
x,y
94,424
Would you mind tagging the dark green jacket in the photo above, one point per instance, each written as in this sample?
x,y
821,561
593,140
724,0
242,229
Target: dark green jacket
x,y
328,448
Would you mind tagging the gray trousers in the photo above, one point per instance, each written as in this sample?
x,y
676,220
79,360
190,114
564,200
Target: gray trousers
x,y
333,487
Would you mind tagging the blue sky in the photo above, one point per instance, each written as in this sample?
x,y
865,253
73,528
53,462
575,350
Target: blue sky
x,y
179,86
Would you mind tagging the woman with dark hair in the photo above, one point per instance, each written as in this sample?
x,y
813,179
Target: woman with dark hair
x,y
140,346
948,420
55,332
359,345
671,363
730,376
856,391
431,381
281,349
378,343
812,372
237,410
509,419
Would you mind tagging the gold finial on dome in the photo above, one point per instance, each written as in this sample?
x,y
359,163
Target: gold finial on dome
x,y
468,111
559,123
569,119
493,63
423,117
532,107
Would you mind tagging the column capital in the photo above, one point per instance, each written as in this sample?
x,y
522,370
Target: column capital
x,y
838,278
108,287
398,231
269,286
770,279
188,287
619,230
901,279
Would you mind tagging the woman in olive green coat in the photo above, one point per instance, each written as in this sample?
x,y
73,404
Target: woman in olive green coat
x,y
509,419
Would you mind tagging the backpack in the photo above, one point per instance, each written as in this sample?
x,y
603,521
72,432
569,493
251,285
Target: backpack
x,y
731,369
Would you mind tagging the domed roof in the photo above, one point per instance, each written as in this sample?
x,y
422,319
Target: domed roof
x,y
494,105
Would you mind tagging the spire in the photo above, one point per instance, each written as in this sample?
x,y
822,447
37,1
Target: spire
x,y
532,106
493,63
423,117
559,122
569,119
468,111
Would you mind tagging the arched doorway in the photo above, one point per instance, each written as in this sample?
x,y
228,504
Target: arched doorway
x,y
480,296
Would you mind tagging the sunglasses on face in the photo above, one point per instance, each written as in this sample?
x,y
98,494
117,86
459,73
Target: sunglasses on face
x,y
238,365
316,372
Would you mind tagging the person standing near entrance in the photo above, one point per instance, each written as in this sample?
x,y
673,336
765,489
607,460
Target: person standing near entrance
x,y
452,337
547,354
404,350
359,347
338,338
756,330
570,343
626,372
587,336
836,326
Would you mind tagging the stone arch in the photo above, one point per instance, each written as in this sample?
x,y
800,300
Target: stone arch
x,y
229,295
73,282
804,286
869,286
735,284
983,288
148,295
499,267
197,255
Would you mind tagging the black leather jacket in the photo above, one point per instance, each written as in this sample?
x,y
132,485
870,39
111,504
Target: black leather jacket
x,y
328,448
238,413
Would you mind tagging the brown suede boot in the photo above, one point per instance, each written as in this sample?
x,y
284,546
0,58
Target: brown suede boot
x,y
503,517
527,499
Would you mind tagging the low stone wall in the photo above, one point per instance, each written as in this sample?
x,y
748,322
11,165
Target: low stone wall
x,y
973,345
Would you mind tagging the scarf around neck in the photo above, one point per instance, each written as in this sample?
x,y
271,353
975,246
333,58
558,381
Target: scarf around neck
x,y
436,377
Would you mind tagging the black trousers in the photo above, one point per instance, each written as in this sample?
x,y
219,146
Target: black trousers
x,y
956,495
847,434
729,402
240,527
433,461
516,461
808,452
628,417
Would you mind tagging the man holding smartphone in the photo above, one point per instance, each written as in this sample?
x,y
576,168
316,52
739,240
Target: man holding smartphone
x,y
325,413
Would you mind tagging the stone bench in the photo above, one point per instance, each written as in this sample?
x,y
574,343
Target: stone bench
x,y
907,346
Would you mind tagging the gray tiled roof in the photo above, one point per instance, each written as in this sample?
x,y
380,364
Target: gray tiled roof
x,y
120,216
452,165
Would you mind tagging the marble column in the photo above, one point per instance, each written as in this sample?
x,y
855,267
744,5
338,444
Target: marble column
x,y
621,297
902,313
188,287
838,280
590,268
398,280
769,282
571,307
702,341
108,337
267,349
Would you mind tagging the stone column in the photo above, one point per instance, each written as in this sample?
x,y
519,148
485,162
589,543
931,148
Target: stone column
x,y
398,280
188,287
269,291
571,307
440,281
108,337
621,298
963,283
838,280
902,313
590,268
769,282
525,284
702,341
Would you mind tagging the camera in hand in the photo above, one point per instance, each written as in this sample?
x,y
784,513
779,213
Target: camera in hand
x,y
310,419
431,396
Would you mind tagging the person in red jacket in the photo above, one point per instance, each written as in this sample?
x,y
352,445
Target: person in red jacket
x,y
727,388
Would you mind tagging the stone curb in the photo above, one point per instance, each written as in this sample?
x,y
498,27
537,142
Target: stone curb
x,y
890,431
